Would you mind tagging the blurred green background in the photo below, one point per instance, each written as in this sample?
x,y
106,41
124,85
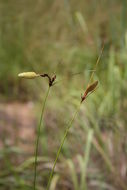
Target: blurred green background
x,y
63,38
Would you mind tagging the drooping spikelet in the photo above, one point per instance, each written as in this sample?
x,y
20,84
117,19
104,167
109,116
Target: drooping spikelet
x,y
28,75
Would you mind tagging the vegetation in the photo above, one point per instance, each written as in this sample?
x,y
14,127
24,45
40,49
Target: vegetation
x,y
65,38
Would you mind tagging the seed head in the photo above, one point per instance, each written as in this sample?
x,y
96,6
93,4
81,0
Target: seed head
x,y
28,75
91,88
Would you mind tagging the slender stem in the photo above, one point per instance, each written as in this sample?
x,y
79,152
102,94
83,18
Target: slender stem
x,y
97,62
38,136
62,143
70,124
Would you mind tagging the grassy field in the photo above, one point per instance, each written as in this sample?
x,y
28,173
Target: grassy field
x,y
64,38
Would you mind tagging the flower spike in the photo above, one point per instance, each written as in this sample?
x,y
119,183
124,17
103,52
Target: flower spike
x,y
28,75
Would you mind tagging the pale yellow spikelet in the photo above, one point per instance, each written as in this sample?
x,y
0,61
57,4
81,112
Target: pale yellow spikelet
x,y
28,75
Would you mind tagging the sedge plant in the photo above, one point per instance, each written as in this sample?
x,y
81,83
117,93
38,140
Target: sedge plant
x,y
91,87
32,75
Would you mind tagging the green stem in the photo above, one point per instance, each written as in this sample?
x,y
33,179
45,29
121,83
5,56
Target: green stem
x,y
38,136
62,143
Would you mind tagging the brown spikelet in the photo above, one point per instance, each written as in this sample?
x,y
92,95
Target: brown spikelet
x,y
89,89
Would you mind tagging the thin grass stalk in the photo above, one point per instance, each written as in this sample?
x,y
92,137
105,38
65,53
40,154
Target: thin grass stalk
x,y
86,160
71,121
62,143
38,136
73,174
